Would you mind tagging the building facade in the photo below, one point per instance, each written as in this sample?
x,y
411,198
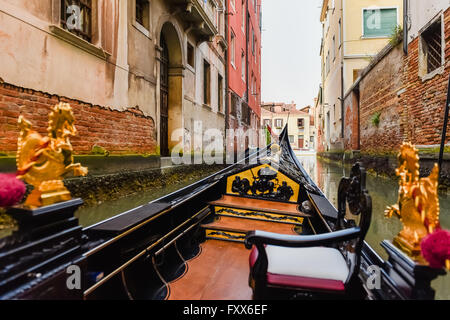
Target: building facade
x,y
401,95
141,75
301,128
244,70
354,31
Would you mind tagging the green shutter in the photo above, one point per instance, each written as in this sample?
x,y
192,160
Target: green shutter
x,y
379,22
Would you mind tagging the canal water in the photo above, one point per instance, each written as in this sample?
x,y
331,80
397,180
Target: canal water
x,y
327,176
384,192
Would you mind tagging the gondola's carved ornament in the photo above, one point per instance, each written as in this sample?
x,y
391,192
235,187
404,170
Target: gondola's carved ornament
x,y
42,161
418,203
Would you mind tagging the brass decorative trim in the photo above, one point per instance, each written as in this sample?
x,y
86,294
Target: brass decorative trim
x,y
261,216
225,235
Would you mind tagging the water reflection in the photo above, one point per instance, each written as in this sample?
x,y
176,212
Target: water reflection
x,y
384,192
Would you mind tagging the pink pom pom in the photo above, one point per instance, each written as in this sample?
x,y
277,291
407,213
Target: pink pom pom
x,y
436,248
12,190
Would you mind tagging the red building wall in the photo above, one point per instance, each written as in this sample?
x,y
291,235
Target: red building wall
x,y
244,24
254,55
236,28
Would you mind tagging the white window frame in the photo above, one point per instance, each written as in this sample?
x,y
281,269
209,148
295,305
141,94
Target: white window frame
x,y
429,75
233,48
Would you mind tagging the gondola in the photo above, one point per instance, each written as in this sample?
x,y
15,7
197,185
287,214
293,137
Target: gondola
x,y
259,229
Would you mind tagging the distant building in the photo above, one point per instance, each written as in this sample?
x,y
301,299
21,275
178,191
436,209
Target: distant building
x,y
354,31
301,129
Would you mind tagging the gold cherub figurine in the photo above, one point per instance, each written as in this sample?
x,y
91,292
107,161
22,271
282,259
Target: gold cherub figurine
x,y
418,203
42,161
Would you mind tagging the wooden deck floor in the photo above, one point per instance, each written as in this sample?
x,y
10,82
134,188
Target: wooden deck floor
x,y
220,272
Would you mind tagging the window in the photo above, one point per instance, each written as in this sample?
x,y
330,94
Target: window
x,y
76,17
260,19
334,48
220,93
243,71
301,123
267,122
340,33
206,83
379,22
190,55
233,49
291,139
255,5
253,41
279,123
431,43
243,15
142,13
328,63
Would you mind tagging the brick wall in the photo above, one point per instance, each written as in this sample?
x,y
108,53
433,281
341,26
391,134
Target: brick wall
x,y
410,109
120,132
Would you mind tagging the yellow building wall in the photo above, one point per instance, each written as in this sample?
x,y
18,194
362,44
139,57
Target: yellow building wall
x,y
355,53
355,43
357,49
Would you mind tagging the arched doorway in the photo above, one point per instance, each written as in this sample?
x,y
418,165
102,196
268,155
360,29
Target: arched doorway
x,y
171,88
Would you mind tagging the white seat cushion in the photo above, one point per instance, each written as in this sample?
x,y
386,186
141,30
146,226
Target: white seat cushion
x,y
316,262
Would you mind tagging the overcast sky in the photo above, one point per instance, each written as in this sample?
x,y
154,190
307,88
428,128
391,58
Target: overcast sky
x,y
290,51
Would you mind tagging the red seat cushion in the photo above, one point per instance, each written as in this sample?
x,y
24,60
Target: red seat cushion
x,y
298,281
305,283
253,256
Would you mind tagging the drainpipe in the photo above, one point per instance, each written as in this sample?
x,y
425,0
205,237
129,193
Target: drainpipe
x,y
405,26
342,73
227,71
247,27
342,102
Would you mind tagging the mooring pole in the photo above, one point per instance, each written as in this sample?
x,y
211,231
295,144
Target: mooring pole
x,y
444,130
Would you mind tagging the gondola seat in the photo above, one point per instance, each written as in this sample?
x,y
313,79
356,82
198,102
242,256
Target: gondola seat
x,y
304,267
314,265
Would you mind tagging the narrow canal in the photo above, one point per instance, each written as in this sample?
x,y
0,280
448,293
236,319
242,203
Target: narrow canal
x,y
384,192
327,176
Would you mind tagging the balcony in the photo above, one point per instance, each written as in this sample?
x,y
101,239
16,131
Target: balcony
x,y
199,15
